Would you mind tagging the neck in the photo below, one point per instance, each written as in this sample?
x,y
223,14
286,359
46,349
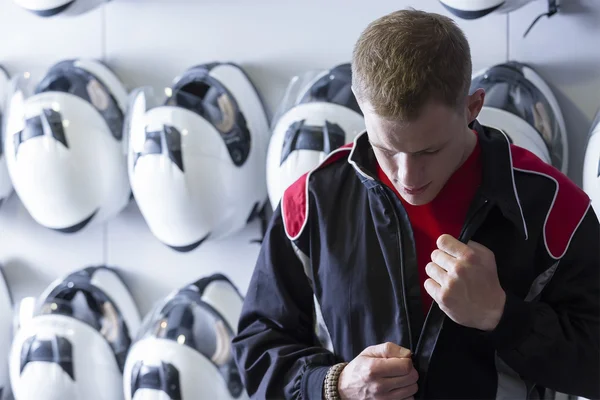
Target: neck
x,y
470,142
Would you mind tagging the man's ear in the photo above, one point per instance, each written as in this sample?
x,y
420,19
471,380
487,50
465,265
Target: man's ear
x,y
474,104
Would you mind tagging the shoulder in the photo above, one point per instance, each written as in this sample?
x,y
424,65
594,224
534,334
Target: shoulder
x,y
568,206
294,202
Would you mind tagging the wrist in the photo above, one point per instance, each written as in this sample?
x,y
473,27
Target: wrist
x,y
495,315
331,382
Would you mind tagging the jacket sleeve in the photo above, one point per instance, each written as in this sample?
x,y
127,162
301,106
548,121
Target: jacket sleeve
x,y
555,340
276,348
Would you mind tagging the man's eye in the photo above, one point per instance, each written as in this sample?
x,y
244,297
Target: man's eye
x,y
386,153
432,152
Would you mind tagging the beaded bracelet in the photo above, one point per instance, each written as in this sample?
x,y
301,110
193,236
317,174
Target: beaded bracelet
x,y
331,381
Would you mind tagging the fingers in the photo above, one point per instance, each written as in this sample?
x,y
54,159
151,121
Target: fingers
x,y
443,259
390,367
439,275
433,288
386,350
452,246
398,382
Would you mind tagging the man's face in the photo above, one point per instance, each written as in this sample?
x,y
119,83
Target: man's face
x,y
419,156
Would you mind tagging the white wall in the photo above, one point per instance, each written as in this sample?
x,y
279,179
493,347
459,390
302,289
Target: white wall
x,y
150,42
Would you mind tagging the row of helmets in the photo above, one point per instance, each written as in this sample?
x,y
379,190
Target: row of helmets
x,y
465,9
77,146
203,161
468,9
83,338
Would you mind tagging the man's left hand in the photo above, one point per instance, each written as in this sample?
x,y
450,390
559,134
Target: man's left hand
x,y
464,282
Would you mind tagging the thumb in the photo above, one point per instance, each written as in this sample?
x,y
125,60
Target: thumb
x,y
386,350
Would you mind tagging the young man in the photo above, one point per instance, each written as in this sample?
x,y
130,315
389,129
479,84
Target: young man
x,y
442,261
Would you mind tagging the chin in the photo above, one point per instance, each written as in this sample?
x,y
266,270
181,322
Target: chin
x,y
418,200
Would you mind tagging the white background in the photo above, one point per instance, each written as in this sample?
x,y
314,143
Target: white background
x,y
149,42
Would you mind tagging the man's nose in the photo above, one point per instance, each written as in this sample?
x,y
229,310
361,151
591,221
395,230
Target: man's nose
x,y
410,170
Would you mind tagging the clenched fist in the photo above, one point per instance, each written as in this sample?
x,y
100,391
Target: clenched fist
x,y
464,283
381,372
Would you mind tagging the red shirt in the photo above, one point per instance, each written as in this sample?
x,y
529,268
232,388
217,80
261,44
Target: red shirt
x,y
446,213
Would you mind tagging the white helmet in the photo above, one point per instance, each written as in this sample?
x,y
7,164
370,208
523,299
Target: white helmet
x,y
184,346
316,117
5,184
50,8
63,145
519,102
197,161
591,165
6,325
473,9
75,345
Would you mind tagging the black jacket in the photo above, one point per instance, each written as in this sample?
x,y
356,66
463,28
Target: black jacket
x,y
342,235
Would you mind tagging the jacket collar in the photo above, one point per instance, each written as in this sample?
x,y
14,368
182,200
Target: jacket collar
x,y
498,181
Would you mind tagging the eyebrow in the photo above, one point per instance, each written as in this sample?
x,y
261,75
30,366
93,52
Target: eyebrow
x,y
414,153
380,147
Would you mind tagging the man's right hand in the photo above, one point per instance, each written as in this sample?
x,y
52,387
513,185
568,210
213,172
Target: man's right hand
x,y
384,371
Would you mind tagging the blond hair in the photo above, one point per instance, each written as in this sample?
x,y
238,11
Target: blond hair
x,y
407,58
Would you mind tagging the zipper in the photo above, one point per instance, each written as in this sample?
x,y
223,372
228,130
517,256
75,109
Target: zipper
x,y
469,227
399,240
473,221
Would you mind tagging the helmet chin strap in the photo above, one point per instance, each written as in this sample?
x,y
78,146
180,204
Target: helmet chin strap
x,y
553,7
